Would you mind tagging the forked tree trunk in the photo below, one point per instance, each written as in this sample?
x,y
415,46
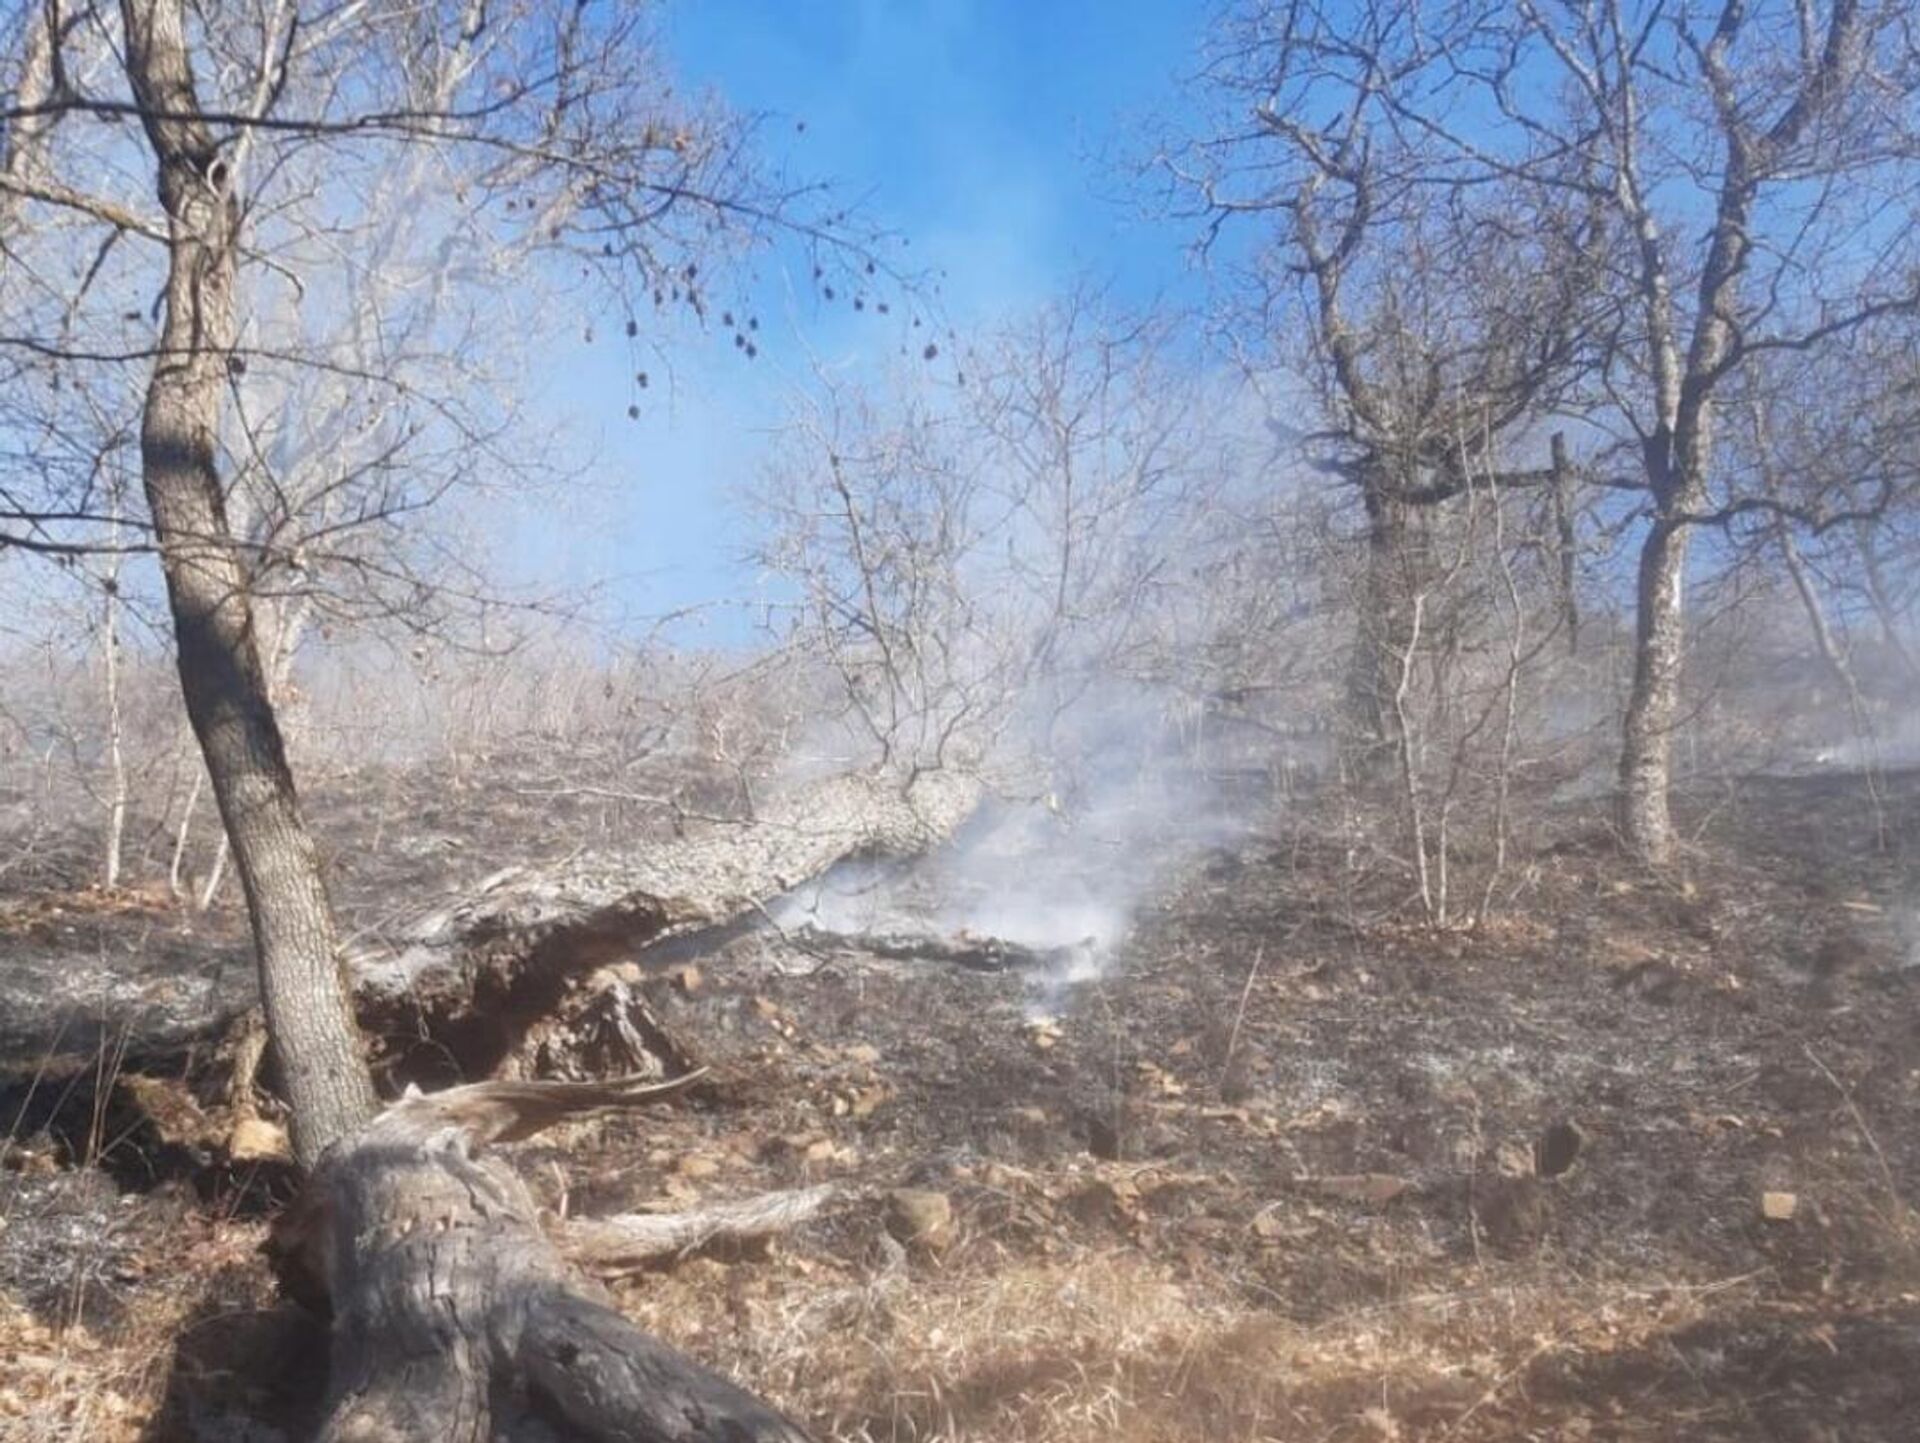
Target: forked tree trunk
x,y
455,1319
1653,704
308,1012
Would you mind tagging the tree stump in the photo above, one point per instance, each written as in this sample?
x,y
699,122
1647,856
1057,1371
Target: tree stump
x,y
455,1319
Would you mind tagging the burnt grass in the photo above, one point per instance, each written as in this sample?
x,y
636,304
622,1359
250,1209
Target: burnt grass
x,y
1636,1158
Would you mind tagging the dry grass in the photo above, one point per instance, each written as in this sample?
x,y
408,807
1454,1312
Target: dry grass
x,y
1191,1289
73,1385
1105,1345
1070,1344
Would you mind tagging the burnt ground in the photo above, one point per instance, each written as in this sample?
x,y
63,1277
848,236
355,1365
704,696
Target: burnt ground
x,y
1636,1159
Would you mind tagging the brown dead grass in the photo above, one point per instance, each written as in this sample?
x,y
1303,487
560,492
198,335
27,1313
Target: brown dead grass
x,y
1105,1345
44,911
73,1385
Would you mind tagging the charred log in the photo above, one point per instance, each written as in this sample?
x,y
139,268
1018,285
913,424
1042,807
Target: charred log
x,y
475,975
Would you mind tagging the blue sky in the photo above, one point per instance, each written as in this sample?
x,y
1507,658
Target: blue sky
x,y
996,135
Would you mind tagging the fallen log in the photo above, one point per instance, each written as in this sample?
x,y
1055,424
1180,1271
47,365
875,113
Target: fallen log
x,y
455,1319
629,1242
476,973
453,993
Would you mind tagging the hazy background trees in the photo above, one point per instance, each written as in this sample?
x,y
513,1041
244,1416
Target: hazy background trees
x,y
1601,217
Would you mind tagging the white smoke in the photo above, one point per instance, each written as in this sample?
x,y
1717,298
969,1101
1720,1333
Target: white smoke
x,y
1063,871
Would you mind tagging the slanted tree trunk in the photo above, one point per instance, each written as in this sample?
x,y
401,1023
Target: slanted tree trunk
x,y
455,1319
308,1012
285,641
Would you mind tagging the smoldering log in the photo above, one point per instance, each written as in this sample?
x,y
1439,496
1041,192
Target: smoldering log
x,y
479,970
455,1319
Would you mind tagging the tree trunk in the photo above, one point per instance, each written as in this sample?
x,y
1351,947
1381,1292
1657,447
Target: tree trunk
x,y
1380,635
176,867
1653,705
1881,599
280,650
1567,540
23,142
455,1319
116,732
308,1013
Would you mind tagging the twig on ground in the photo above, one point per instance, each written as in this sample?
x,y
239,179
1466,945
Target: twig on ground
x,y
1240,1013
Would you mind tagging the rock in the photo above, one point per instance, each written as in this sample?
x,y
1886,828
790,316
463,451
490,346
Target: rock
x,y
1510,1159
1271,1225
1779,1207
695,1167
920,1218
1043,1033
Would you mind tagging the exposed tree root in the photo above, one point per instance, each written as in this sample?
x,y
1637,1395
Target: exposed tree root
x,y
631,1242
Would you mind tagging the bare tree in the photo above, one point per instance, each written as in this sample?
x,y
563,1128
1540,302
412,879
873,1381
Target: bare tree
x,y
984,552
551,130
1437,332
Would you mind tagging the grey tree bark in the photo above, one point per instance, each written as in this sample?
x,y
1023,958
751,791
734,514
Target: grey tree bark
x,y
454,1316
1653,703
1380,632
309,1015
